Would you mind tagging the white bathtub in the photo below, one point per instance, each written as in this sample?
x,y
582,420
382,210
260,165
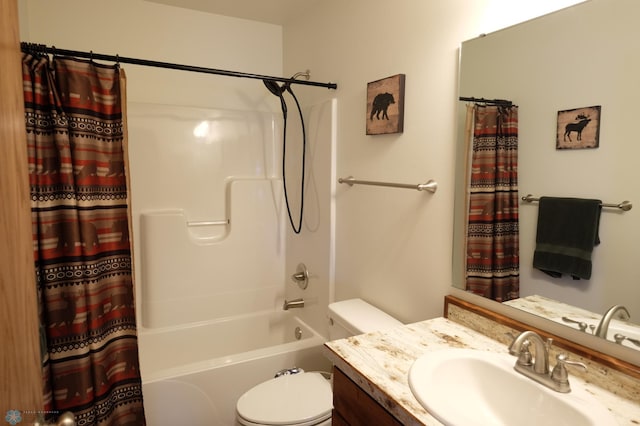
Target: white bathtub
x,y
193,375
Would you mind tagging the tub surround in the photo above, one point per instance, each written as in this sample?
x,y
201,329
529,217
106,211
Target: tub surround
x,y
379,364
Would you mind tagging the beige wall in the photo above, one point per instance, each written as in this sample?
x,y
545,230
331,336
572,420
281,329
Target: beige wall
x,y
555,74
393,246
146,30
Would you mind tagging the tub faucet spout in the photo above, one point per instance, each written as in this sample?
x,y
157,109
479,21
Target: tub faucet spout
x,y
295,303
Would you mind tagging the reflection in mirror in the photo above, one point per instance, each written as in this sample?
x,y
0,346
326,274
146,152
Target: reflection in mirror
x,y
579,57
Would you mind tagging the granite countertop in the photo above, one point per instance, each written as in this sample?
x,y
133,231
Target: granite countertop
x,y
555,311
379,363
551,309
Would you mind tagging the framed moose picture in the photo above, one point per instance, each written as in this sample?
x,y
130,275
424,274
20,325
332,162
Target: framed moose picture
x,y
385,105
578,128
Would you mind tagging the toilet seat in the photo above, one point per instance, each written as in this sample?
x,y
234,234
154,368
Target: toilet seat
x,y
303,399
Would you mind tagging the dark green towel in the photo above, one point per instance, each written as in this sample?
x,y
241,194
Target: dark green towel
x,y
567,233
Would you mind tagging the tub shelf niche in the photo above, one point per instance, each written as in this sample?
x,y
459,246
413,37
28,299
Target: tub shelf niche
x,y
197,270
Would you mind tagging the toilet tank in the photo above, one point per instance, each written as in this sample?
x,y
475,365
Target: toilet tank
x,y
355,316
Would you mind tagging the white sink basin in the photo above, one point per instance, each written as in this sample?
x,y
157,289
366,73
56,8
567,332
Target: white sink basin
x,y
465,387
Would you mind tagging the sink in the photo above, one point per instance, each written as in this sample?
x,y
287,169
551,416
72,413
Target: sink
x,y
465,387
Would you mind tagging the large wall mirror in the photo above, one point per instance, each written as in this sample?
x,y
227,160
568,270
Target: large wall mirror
x,y
585,55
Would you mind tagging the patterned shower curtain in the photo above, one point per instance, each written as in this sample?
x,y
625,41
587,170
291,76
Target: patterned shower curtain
x,y
76,136
493,264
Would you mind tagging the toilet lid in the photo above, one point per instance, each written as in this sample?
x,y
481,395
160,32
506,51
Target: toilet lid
x,y
294,399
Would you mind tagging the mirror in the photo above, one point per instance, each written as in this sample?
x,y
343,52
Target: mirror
x,y
585,55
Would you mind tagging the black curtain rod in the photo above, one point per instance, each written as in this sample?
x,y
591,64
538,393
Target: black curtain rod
x,y
41,48
488,101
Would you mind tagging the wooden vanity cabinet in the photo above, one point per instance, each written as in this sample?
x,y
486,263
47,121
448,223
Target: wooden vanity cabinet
x,y
354,407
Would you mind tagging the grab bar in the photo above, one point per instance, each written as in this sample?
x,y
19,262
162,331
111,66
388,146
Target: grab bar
x,y
625,205
208,223
430,185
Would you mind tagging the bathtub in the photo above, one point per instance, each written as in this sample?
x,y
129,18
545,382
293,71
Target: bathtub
x,y
193,375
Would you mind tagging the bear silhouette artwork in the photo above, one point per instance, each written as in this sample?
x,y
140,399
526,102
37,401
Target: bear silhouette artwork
x,y
65,314
50,165
380,105
134,417
70,234
116,168
86,171
100,376
78,86
76,384
122,300
121,227
127,358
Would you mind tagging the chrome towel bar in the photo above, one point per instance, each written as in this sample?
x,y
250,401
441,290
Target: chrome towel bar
x,y
625,205
430,185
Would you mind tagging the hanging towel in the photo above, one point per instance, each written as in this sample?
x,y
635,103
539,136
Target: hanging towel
x,y
567,233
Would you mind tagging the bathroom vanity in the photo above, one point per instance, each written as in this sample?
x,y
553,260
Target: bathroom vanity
x,y
353,406
371,370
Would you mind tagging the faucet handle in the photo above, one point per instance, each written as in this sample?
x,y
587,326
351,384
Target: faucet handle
x,y
560,375
548,343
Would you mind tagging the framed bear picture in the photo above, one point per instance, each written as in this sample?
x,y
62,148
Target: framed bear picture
x,y
385,105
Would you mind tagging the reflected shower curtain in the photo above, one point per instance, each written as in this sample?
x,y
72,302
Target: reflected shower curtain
x,y
75,137
493,264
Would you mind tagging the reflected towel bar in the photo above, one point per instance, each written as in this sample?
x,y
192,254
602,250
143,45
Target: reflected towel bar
x,y
430,185
625,205
209,223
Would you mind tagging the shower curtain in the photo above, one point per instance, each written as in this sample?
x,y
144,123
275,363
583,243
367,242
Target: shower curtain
x,y
76,137
493,264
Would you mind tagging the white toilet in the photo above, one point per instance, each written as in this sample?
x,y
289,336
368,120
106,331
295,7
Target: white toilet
x,y
305,399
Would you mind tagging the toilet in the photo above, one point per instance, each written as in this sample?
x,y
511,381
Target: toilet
x,y
306,399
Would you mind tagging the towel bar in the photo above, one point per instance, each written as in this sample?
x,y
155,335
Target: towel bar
x,y
625,205
430,185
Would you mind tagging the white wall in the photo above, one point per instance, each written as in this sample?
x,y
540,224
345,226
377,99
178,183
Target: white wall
x,y
393,246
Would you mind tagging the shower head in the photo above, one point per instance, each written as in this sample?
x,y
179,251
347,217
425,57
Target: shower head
x,y
274,88
277,90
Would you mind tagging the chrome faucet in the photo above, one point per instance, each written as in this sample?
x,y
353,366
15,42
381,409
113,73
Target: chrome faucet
x,y
295,303
538,368
520,348
603,325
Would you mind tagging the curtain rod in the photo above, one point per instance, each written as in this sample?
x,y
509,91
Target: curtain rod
x,y
41,48
488,101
